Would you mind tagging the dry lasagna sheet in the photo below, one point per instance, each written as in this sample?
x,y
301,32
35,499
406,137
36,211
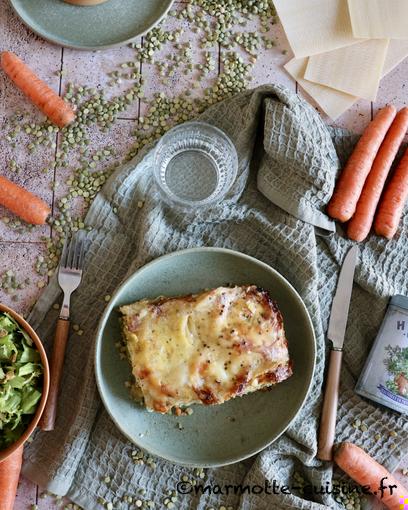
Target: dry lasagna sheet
x,y
315,26
354,70
333,102
205,348
379,19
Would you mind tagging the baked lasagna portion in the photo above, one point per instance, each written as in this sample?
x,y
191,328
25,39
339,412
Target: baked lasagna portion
x,y
205,348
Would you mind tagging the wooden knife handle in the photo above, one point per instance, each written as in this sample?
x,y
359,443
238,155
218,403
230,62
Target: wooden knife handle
x,y
9,476
329,412
56,367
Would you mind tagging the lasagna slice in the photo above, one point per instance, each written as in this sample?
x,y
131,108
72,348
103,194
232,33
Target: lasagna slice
x,y
205,348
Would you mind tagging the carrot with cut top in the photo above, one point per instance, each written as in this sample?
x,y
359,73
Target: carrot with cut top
x,y
362,221
393,201
48,101
350,184
21,202
368,473
9,476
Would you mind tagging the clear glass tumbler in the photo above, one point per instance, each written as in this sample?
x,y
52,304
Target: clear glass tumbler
x,y
195,165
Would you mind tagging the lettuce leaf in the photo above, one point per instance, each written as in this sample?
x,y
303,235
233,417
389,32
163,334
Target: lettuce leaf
x,y
21,376
7,347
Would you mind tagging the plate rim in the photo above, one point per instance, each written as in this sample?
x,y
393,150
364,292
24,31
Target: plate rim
x,y
82,47
108,310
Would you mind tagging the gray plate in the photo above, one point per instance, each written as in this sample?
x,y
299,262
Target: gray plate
x,y
215,435
113,23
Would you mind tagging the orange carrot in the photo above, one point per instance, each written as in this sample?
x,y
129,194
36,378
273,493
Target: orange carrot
x,y
393,201
9,476
361,223
23,203
368,473
48,101
350,184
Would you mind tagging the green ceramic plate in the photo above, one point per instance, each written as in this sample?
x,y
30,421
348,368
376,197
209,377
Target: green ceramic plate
x,y
215,435
113,23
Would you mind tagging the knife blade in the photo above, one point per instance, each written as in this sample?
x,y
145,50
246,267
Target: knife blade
x,y
336,333
341,302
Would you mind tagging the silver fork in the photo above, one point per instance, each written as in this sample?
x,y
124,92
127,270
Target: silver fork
x,y
69,278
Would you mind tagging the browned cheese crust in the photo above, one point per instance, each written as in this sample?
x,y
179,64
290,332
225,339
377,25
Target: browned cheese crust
x,y
205,348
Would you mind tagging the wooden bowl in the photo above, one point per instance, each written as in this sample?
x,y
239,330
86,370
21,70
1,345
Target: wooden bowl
x,y
4,454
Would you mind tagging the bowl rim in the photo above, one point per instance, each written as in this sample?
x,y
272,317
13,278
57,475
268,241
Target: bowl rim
x,y
108,310
84,47
46,383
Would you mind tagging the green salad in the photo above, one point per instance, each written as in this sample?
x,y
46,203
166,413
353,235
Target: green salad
x,y
20,380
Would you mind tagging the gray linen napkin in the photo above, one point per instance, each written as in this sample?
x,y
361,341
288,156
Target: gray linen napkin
x,y
281,140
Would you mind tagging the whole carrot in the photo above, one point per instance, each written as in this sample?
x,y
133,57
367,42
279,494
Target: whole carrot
x,y
23,203
361,223
393,201
350,184
367,472
48,101
9,476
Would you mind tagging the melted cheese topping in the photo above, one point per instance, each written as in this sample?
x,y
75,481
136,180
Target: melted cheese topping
x,y
205,348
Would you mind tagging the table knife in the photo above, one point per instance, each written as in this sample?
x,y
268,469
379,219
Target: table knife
x,y
336,333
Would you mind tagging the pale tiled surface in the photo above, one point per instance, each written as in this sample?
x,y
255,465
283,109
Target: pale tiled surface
x,y
394,87
18,251
92,69
179,81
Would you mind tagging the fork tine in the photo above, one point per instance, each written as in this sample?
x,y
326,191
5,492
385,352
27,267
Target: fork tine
x,y
71,253
63,260
79,250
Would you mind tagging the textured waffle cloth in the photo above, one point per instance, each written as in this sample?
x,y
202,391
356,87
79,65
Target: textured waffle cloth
x,y
283,143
